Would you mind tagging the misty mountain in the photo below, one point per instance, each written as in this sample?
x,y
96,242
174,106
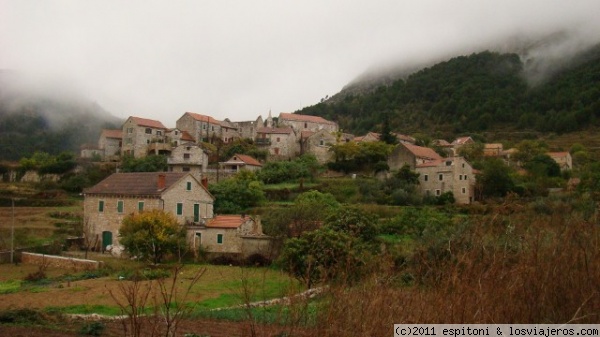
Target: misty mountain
x,y
46,116
474,93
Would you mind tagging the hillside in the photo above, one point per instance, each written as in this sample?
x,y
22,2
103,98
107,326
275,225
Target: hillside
x,y
39,119
476,93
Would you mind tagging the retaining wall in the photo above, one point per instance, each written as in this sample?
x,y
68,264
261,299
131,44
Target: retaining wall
x,y
60,261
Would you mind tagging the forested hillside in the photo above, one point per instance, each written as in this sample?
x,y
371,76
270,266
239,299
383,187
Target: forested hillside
x,y
32,121
475,93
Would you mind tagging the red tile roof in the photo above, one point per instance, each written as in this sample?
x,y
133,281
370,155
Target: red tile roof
x,y
405,138
274,130
248,160
151,123
304,118
227,221
135,184
306,134
109,133
433,163
421,152
203,118
186,136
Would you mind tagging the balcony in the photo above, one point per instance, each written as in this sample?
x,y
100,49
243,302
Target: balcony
x,y
262,141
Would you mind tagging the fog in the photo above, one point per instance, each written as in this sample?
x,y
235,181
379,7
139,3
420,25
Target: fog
x,y
234,59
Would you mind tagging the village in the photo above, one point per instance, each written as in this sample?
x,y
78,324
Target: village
x,y
183,190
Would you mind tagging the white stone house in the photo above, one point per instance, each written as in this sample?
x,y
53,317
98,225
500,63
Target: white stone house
x,y
110,143
306,122
142,136
188,157
281,143
108,202
240,162
411,155
453,174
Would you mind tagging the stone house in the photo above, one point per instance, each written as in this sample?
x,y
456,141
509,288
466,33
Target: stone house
x,y
177,137
281,143
142,136
241,162
319,144
453,174
110,143
411,155
188,157
247,129
369,137
201,127
306,123
563,159
238,236
493,149
108,202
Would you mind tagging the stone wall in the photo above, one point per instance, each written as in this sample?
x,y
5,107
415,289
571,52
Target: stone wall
x,y
60,261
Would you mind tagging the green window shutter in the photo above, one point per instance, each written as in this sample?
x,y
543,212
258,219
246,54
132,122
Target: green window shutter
x,y
189,186
140,206
101,206
179,208
219,238
120,206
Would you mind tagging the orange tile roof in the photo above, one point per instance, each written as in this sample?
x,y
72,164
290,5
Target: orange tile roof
x,y
304,118
274,130
227,221
421,152
186,136
203,118
133,184
248,160
148,122
433,163
109,133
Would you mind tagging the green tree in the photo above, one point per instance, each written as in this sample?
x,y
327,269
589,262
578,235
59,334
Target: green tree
x,y
152,163
237,194
542,165
152,234
354,223
386,133
495,179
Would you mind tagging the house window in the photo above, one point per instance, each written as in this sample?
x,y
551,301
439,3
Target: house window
x,y
438,192
460,177
212,128
120,206
140,206
129,130
321,142
188,186
465,177
198,238
186,169
159,133
463,165
440,177
278,139
148,131
220,239
305,125
176,133
426,177
276,150
179,208
101,206
186,156
188,148
128,141
203,126
448,163
464,190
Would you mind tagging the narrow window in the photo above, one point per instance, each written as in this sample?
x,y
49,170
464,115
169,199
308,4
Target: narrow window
x,y
465,177
460,177
305,125
179,208
438,192
464,190
101,206
426,177
278,139
220,239
140,206
188,186
212,128
120,206
441,177
321,142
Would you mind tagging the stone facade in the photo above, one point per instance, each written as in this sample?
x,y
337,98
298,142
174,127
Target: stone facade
x,y
319,144
141,136
306,123
411,155
563,159
201,127
282,143
188,157
447,175
106,204
237,235
110,143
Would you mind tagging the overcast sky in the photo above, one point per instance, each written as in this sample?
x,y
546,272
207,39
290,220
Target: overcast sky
x,y
240,59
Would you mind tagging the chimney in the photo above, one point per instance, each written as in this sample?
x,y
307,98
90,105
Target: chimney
x,y
205,183
162,181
